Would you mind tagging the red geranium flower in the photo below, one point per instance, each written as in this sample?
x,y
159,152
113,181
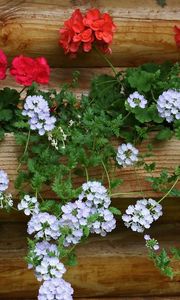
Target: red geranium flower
x,y
28,70
3,65
42,70
83,31
177,35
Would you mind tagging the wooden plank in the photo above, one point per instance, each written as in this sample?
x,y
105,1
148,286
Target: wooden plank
x,y
144,30
167,156
171,211
115,266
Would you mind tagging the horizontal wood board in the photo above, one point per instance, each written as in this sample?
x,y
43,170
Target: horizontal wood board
x,y
144,30
115,266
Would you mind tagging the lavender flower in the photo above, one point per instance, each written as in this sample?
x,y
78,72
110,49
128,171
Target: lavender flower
x,y
55,289
168,105
37,109
4,181
136,99
41,250
94,194
30,205
127,155
49,267
46,226
105,222
74,218
142,214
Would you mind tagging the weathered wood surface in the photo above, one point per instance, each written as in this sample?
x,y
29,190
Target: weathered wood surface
x,y
144,30
167,155
115,266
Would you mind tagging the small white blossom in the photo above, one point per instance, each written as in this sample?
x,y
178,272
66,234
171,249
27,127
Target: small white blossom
x,y
127,155
141,215
6,200
55,289
29,204
137,99
168,105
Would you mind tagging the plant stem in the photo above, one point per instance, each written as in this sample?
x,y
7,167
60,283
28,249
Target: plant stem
x,y
106,59
25,149
107,175
168,192
23,89
87,176
128,193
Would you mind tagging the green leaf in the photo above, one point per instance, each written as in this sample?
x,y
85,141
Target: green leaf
x,y
164,134
115,211
6,115
141,80
148,115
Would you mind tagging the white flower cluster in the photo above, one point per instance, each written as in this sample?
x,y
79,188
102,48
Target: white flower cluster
x,y
95,196
30,205
45,226
93,201
53,141
141,215
73,219
55,289
127,155
6,201
105,222
151,243
37,109
136,100
168,105
49,267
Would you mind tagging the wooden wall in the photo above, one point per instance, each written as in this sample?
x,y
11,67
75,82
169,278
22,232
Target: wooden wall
x,y
144,30
115,267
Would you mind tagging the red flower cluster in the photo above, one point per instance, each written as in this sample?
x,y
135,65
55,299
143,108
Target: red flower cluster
x,y
177,35
3,65
28,70
80,30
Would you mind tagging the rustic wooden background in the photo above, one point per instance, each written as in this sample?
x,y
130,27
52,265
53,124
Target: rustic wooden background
x,y
115,267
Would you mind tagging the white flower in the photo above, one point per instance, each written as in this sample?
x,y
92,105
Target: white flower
x,y
127,155
55,289
168,105
29,204
49,267
137,99
44,225
141,215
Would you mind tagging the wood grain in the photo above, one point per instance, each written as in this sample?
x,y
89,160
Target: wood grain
x,y
144,30
167,156
115,266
